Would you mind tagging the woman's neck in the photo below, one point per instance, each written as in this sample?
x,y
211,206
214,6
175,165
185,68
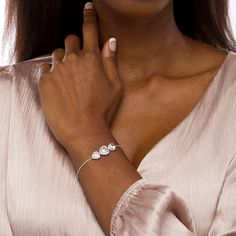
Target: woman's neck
x,y
145,45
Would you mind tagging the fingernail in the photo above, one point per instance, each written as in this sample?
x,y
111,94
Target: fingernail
x,y
88,5
112,44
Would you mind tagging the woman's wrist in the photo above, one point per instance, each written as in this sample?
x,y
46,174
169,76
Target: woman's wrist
x,y
89,139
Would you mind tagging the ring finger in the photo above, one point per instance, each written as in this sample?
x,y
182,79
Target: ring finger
x,y
72,44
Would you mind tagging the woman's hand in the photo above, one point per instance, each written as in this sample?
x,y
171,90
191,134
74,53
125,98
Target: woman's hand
x,y
82,87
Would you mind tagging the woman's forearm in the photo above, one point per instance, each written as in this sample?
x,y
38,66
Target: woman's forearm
x,y
103,180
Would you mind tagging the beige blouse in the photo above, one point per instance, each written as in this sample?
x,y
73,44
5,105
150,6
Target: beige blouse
x,y
189,177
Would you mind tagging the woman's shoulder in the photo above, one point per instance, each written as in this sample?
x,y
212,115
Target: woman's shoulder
x,y
25,70
227,79
19,83
230,65
223,86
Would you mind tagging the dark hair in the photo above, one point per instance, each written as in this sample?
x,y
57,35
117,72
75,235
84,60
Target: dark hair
x,y
42,25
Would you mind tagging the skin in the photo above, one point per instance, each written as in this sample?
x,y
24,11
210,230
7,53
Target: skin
x,y
92,96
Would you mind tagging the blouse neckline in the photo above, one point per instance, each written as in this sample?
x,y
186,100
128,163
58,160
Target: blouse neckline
x,y
190,114
181,123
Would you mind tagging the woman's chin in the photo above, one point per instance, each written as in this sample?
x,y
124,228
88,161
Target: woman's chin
x,y
135,8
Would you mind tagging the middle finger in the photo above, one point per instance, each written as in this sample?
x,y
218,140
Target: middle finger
x,y
90,32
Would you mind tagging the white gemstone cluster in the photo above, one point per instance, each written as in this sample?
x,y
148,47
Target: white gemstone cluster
x,y
103,151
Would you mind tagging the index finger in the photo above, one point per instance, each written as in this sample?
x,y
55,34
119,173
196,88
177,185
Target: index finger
x,y
90,31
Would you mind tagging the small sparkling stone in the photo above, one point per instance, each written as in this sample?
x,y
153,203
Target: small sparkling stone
x,y
104,150
112,146
95,155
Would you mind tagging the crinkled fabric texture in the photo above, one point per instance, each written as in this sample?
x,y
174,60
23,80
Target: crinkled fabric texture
x,y
189,177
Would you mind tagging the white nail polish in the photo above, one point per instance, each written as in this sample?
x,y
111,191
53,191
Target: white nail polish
x,y
88,5
112,44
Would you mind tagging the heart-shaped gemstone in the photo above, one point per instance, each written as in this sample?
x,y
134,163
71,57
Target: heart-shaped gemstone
x,y
95,155
104,150
112,147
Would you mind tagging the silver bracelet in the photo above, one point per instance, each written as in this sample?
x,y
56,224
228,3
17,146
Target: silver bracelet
x,y
103,151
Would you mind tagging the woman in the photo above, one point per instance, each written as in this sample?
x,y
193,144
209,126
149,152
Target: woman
x,y
157,78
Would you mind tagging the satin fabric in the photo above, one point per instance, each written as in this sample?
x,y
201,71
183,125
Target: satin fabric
x,y
188,184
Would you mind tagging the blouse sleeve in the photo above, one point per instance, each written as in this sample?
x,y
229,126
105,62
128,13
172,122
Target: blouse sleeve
x,y
150,209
